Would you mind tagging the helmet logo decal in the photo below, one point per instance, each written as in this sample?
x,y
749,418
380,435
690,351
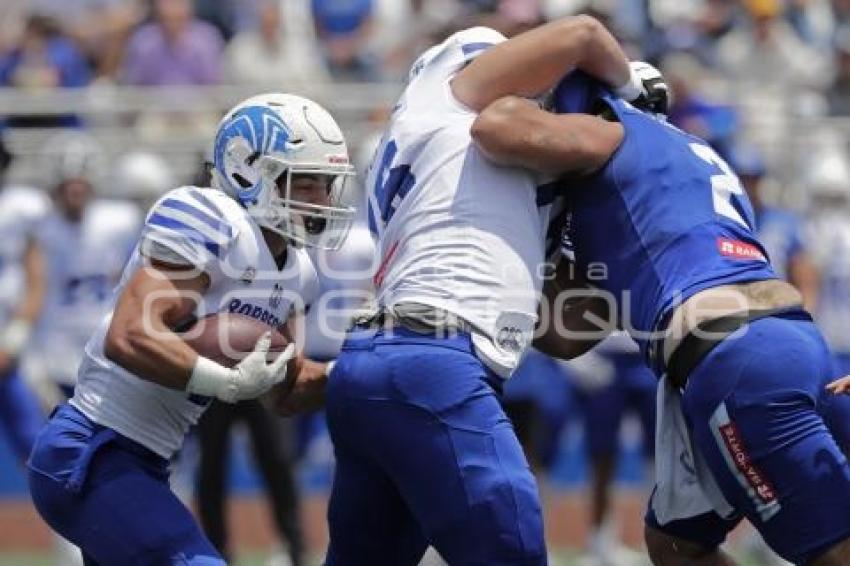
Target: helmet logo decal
x,y
249,133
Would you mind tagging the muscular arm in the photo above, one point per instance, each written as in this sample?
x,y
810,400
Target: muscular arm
x,y
578,317
140,338
516,132
532,62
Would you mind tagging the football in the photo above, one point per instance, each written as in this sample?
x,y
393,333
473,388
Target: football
x,y
227,338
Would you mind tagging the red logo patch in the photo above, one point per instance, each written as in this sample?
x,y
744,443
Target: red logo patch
x,y
337,159
753,476
739,250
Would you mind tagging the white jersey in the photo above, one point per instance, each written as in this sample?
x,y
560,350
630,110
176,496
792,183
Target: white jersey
x,y
345,282
20,210
210,230
455,231
84,262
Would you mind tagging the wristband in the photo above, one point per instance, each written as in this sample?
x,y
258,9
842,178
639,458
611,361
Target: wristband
x,y
15,336
633,87
211,379
329,367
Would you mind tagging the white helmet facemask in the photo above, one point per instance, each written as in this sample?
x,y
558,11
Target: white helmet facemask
x,y
265,143
303,222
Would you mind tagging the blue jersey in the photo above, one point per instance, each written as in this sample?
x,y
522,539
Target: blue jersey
x,y
664,219
780,233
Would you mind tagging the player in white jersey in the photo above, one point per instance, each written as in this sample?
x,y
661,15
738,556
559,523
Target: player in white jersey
x,y
86,242
98,472
424,452
21,296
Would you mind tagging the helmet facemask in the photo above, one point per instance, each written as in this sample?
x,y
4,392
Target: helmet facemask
x,y
312,211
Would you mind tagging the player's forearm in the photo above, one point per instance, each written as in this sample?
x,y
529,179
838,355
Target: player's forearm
x,y
533,62
516,132
152,352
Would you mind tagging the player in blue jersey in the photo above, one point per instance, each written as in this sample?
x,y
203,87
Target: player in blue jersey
x,y
661,226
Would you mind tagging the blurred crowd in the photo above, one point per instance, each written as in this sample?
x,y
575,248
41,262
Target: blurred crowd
x,y
775,73
766,82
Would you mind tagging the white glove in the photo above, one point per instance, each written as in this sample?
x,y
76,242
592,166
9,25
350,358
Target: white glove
x,y
633,88
646,88
251,377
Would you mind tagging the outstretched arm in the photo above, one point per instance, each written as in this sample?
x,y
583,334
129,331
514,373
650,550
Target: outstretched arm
x,y
532,62
516,132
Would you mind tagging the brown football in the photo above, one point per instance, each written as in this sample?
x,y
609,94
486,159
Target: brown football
x,y
227,337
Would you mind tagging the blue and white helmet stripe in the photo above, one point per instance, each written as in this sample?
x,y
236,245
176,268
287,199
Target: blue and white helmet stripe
x,y
250,131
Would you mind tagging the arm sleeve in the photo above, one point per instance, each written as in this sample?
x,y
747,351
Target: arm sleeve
x,y
182,229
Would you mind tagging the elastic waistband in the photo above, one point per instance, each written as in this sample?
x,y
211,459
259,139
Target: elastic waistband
x,y
709,334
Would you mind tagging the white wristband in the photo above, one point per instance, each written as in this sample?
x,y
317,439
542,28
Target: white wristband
x,y
211,379
15,336
329,367
633,87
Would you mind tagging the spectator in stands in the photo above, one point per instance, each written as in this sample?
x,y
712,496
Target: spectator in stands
x,y
766,50
176,49
267,55
43,58
691,111
344,29
100,28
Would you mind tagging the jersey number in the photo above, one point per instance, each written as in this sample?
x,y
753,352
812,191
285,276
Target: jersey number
x,y
725,186
391,186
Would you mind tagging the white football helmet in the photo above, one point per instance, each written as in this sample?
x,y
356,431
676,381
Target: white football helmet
x,y
73,154
142,176
265,140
